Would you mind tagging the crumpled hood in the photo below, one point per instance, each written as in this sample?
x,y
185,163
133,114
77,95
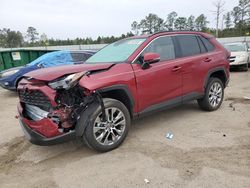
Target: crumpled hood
x,y
49,74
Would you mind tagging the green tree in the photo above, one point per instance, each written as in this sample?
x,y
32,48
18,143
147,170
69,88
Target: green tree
x,y
151,23
190,22
10,39
228,21
3,36
201,22
244,6
44,39
32,34
180,23
236,13
171,20
135,27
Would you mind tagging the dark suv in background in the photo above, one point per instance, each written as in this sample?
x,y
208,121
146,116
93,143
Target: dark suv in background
x,y
133,77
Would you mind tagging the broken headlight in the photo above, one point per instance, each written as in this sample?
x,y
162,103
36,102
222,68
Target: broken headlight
x,y
66,82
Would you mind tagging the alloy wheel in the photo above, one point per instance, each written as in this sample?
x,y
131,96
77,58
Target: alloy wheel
x,y
109,132
215,94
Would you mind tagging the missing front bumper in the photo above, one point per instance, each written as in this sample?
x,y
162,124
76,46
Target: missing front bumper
x,y
41,140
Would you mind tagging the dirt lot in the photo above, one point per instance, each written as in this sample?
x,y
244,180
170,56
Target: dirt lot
x,y
207,150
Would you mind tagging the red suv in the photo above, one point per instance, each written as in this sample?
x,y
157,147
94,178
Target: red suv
x,y
96,101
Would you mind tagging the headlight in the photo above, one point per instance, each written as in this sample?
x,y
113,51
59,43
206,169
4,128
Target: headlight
x,y
9,73
242,55
66,82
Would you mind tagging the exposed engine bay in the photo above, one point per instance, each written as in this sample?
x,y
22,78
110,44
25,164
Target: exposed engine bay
x,y
70,104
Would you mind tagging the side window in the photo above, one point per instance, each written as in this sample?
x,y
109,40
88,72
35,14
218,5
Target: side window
x,y
207,44
88,56
188,45
202,47
78,57
163,46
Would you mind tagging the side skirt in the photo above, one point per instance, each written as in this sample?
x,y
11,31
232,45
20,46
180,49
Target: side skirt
x,y
168,104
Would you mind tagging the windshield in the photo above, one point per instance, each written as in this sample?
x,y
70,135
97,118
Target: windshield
x,y
116,52
235,47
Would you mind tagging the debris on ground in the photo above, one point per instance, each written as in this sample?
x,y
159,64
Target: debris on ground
x,y
169,136
241,100
231,106
146,181
247,98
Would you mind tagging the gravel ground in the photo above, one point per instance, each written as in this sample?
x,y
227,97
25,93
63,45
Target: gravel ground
x,y
207,149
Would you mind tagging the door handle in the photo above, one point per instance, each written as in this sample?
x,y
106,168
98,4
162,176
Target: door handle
x,y
207,59
176,68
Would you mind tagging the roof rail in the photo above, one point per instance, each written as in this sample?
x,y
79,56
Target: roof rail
x,y
172,30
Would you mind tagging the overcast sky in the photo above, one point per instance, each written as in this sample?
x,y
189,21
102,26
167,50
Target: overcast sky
x,y
91,18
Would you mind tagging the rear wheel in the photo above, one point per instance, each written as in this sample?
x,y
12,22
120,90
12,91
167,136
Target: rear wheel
x,y
107,135
214,94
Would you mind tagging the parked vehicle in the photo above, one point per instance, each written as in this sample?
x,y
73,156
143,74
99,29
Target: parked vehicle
x,y
9,78
96,101
240,54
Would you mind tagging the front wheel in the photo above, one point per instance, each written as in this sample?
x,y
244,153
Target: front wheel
x,y
107,135
214,94
245,67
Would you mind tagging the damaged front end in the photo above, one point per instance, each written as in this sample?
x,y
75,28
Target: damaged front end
x,y
48,112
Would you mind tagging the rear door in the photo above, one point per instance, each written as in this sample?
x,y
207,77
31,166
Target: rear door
x,y
161,83
194,60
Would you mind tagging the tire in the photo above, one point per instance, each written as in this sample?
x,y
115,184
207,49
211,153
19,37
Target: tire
x,y
102,136
245,67
208,103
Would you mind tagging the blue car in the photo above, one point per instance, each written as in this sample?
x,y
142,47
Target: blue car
x,y
9,78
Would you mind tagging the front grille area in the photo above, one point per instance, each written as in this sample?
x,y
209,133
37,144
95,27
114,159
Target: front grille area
x,y
36,98
232,59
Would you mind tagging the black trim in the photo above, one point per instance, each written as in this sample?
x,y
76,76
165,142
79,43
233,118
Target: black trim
x,y
119,87
177,47
170,103
38,139
192,96
217,69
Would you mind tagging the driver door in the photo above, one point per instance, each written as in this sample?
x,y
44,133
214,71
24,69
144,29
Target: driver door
x,y
161,84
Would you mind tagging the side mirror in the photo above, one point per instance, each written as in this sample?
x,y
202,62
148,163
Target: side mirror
x,y
40,65
149,58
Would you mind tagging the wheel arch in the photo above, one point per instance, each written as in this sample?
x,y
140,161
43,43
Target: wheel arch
x,y
220,73
18,79
120,93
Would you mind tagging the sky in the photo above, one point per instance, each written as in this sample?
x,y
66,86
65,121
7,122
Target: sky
x,y
62,19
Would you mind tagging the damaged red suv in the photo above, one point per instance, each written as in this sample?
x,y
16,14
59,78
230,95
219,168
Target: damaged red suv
x,y
96,101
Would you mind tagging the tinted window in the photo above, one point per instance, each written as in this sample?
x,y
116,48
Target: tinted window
x,y
188,45
88,55
78,57
202,47
163,46
208,45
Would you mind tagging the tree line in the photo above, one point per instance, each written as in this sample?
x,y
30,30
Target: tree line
x,y
233,23
13,39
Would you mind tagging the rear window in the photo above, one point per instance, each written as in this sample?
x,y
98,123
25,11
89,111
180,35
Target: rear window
x,y
207,44
188,45
78,57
